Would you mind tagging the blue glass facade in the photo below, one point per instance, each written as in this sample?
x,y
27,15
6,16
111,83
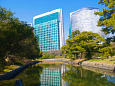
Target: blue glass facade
x,y
46,29
51,77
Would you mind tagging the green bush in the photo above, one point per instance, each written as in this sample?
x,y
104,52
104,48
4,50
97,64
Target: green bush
x,y
48,56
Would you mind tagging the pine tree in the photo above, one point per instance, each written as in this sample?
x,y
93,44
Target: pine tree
x,y
107,19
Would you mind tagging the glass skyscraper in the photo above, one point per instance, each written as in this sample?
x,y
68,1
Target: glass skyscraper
x,y
52,76
48,27
85,20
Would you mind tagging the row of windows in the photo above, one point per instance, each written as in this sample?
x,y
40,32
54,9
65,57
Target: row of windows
x,y
48,49
45,38
48,22
50,72
48,41
47,35
46,30
51,47
44,33
41,38
48,25
53,75
45,47
55,37
50,17
48,45
45,79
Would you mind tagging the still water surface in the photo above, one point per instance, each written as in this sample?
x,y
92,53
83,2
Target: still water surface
x,y
59,75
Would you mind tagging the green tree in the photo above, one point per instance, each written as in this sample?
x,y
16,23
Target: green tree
x,y
77,76
106,51
83,43
16,38
107,19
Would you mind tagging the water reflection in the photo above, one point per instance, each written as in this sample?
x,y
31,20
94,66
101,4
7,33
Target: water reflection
x,y
19,83
29,77
80,77
59,75
52,76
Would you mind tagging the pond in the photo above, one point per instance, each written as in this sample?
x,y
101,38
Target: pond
x,y
59,75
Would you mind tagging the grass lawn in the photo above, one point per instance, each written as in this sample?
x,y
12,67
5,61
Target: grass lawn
x,y
65,59
10,68
106,61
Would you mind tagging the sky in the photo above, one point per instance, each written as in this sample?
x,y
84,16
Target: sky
x,y
26,9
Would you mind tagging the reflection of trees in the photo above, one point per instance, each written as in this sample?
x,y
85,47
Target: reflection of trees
x,y
29,77
80,77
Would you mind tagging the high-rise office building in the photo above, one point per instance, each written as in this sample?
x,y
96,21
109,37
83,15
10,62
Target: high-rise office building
x,y
48,27
85,20
52,76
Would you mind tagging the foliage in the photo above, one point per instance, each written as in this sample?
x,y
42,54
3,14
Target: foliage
x,y
47,55
107,19
80,77
16,37
10,68
85,43
106,51
75,33
41,54
30,77
110,60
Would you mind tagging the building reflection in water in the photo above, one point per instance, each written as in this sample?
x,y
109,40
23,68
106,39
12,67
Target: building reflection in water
x,y
52,76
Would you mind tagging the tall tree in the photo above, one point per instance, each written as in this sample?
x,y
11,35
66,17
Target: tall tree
x,y
16,38
85,43
107,19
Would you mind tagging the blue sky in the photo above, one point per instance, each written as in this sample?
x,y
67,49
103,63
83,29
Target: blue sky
x,y
26,9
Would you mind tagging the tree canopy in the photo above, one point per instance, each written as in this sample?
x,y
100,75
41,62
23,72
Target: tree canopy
x,y
16,37
107,16
77,76
85,43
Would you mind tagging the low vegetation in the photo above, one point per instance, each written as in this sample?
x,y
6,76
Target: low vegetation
x,y
105,61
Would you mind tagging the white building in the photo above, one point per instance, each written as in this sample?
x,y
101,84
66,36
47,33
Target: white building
x,y
85,20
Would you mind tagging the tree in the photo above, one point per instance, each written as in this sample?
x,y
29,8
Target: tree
x,y
107,19
16,38
77,76
83,43
106,51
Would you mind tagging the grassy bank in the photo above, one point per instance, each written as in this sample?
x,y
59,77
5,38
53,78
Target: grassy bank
x,y
65,59
10,68
105,61
11,65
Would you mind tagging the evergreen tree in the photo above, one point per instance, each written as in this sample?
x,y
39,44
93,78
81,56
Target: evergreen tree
x,y
16,38
87,43
107,19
